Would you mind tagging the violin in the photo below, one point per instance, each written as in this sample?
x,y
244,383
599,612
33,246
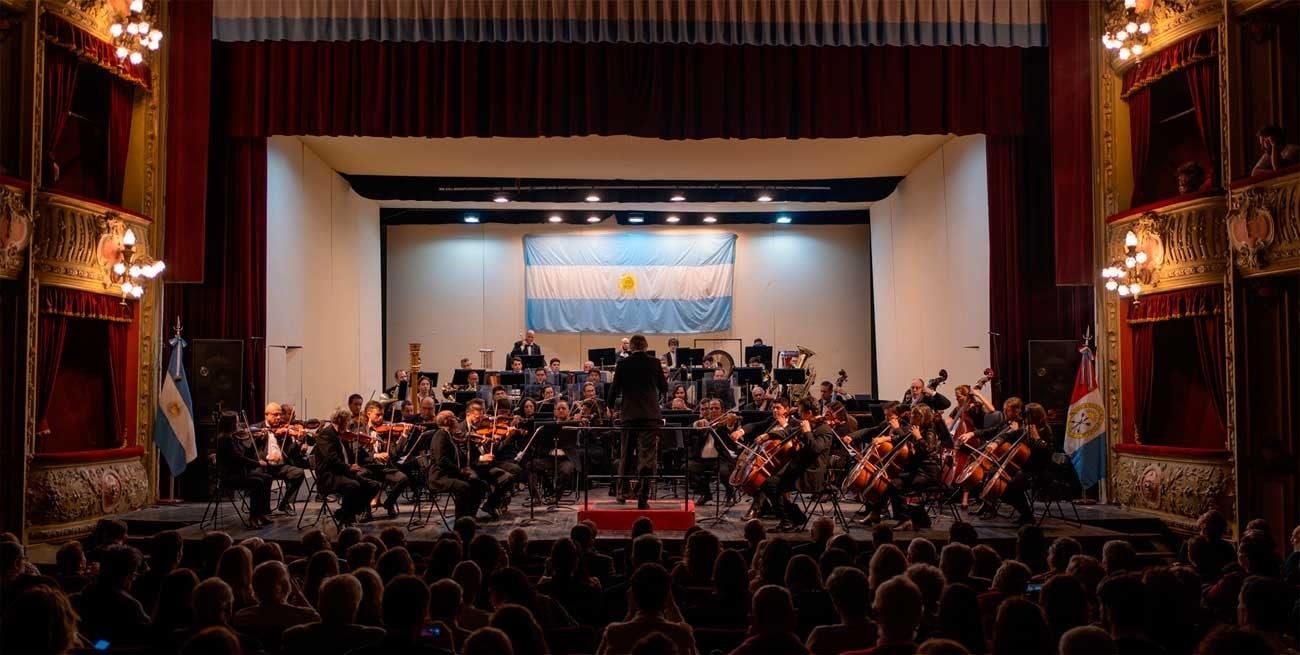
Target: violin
x,y
356,437
389,429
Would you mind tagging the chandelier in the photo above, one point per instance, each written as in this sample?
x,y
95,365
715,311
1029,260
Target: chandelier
x,y
130,270
1127,276
1127,32
135,34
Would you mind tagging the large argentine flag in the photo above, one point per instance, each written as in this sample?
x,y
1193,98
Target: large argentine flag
x,y
625,283
173,425
1085,429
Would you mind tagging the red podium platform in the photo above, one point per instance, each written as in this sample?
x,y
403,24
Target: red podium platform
x,y
670,515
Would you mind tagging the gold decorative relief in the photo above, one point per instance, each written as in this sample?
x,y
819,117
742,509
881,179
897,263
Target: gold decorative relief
x,y
1181,489
1263,225
65,501
1185,241
15,231
77,240
1171,22
1250,228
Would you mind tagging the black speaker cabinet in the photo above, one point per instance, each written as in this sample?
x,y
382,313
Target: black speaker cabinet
x,y
216,376
1052,367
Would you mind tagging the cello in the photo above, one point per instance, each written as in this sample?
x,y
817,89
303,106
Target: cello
x,y
956,459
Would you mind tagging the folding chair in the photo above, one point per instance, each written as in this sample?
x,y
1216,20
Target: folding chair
x,y
219,493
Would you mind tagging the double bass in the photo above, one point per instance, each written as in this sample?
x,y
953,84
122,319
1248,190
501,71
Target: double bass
x,y
957,457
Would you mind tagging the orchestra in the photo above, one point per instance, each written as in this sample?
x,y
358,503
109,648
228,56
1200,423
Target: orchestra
x,y
530,434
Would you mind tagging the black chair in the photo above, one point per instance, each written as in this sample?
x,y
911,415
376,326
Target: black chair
x,y
1053,493
329,502
219,493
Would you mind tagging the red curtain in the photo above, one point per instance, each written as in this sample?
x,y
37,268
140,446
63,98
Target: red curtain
x,y
1201,305
91,48
60,83
1144,354
460,89
59,306
1209,348
1004,157
1139,125
1203,83
50,332
189,93
121,101
1191,50
1067,29
118,372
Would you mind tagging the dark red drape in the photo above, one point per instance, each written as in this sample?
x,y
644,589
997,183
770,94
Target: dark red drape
x,y
92,49
1139,126
1070,52
189,86
58,307
461,89
1143,346
1005,157
1209,348
121,101
50,332
1203,84
118,372
231,302
1191,50
60,83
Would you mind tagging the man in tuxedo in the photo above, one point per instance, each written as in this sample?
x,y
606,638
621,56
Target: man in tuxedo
x,y
338,469
672,353
920,394
639,380
526,346
759,402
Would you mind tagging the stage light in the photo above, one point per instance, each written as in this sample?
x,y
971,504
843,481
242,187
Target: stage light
x,y
471,218
592,197
555,219
710,219
672,219
764,198
677,197
593,219
501,197
635,219
783,219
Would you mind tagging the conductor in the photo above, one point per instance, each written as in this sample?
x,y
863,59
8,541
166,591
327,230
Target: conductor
x,y
639,379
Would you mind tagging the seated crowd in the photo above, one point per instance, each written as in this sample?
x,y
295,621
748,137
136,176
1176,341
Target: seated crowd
x,y
474,595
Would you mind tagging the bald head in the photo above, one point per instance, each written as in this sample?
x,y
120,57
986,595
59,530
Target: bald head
x,y
274,413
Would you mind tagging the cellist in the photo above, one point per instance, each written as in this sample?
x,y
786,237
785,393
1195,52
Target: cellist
x,y
1038,436
816,437
925,436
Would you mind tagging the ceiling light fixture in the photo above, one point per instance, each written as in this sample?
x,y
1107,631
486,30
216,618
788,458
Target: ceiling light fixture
x,y
592,197
501,197
470,218
764,197
677,197
593,219
672,219
783,219
635,219
710,219
555,219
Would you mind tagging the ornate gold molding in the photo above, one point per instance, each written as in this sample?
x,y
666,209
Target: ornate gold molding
x,y
15,230
77,242
1179,489
1184,240
1263,225
64,501
1171,22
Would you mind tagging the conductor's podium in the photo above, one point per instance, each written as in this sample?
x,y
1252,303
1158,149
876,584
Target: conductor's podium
x,y
667,514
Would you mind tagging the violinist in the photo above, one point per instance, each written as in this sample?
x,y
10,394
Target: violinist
x,y
1038,436
814,453
409,451
355,405
239,464
593,408
499,475
286,464
678,393
711,456
339,468
452,467
508,444
378,464
556,464
920,393
925,436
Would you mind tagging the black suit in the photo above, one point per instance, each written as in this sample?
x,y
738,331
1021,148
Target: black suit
x,y
447,473
937,401
639,380
522,348
815,454
239,467
334,473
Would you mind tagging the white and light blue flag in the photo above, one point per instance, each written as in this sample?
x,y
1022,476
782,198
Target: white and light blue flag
x,y
624,283
173,425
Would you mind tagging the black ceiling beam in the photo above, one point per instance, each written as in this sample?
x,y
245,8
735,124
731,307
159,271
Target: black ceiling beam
x,y
423,216
484,189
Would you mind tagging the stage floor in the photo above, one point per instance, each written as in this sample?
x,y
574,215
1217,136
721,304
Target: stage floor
x,y
1098,524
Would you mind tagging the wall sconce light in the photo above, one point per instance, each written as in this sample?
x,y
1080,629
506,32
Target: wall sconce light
x,y
1130,275
131,269
134,35
1127,30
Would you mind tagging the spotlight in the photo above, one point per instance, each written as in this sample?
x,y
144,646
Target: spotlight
x,y
635,219
470,218
672,219
783,219
593,219
592,197
765,197
710,219
501,197
555,219
677,197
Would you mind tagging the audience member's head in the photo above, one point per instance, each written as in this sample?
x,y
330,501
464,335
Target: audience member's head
x,y
470,578
119,566
583,536
1123,603
236,568
822,528
941,647
922,551
212,640
445,600
647,549
802,574
887,562
1255,554
70,559
466,527
1088,571
845,542
645,525
772,611
165,550
214,603
881,535
654,643
1020,628
956,560
1031,547
509,585
313,541
562,564
1087,640
526,637
702,550
486,551
1060,552
959,617
406,606
987,561
775,559
831,559
175,608
1212,525
731,575
898,606
962,532
371,610
1065,603
648,589
487,641
271,583
323,564
268,552
1230,640
347,538
339,599
395,562
13,559
361,555
848,589
444,558
1012,578
211,547
755,532
929,579
108,532
49,624
1261,605
517,541
1118,556
393,537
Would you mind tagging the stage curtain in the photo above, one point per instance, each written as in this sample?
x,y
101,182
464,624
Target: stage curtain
x,y
189,91
1209,347
1143,345
1187,303
121,102
470,89
231,302
50,332
1203,83
1004,157
1067,29
1139,125
60,83
1191,50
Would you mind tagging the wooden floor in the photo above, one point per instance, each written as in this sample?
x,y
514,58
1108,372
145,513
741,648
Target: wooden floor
x,y
1098,524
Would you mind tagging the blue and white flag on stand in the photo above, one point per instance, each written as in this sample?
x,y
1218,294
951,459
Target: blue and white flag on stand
x,y
624,283
1085,428
173,425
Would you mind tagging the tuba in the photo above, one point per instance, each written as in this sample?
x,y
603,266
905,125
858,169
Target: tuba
x,y
810,377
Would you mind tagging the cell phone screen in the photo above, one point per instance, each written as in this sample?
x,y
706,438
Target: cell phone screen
x,y
432,631
102,644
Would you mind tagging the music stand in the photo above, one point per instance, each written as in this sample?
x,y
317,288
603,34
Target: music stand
x,y
602,356
512,379
463,397
763,353
461,377
788,376
532,361
690,356
747,377
431,376
696,373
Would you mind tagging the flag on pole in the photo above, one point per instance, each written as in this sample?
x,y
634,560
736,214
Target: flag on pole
x,y
173,426
1085,430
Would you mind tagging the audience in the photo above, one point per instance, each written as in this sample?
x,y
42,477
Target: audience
x,y
832,594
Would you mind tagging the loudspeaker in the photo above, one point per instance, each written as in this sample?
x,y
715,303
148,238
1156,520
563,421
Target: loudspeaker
x,y
216,377
1052,368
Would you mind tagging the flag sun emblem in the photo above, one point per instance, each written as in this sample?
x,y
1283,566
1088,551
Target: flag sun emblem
x,y
174,409
627,283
